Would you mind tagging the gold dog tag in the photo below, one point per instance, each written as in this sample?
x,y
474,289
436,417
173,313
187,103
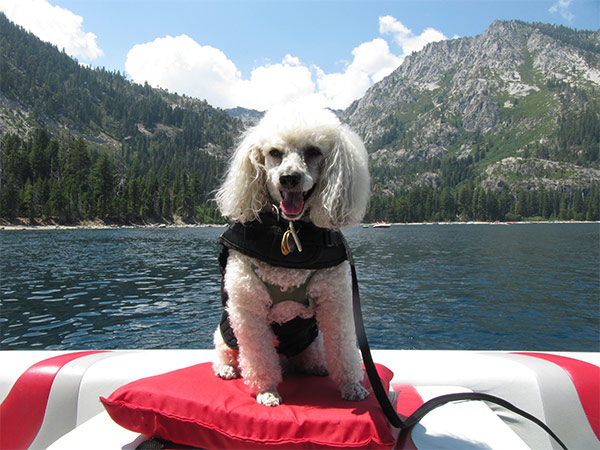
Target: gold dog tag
x,y
290,241
287,243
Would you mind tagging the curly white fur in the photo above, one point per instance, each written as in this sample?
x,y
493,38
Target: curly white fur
x,y
311,167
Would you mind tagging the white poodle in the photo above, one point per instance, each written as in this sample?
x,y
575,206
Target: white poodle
x,y
293,181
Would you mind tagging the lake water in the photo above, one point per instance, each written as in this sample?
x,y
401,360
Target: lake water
x,y
526,287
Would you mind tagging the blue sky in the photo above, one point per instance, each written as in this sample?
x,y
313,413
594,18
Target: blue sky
x,y
256,53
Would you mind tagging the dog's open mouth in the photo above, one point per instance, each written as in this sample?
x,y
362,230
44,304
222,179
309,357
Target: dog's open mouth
x,y
292,203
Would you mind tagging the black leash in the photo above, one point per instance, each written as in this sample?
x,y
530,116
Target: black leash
x,y
382,395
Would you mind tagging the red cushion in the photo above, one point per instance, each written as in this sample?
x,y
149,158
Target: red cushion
x,y
194,407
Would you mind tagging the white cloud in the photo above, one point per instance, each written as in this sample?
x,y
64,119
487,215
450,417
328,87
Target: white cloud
x,y
182,65
375,58
405,38
372,62
53,24
389,25
274,83
561,6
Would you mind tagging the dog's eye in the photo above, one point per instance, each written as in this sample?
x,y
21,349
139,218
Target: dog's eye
x,y
312,152
274,153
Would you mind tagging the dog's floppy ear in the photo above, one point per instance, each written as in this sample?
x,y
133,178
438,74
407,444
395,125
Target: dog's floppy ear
x,y
344,183
242,195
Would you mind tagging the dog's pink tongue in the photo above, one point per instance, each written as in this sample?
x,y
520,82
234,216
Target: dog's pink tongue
x,y
292,203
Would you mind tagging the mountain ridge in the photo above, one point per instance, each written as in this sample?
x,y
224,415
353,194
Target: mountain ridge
x,y
42,86
505,90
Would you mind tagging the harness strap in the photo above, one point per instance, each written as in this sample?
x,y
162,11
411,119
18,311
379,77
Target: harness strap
x,y
262,239
382,395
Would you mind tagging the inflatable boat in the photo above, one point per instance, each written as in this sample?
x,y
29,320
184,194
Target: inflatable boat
x,y
51,399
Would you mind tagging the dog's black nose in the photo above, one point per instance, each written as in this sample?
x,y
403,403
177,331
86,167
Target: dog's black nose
x,y
291,180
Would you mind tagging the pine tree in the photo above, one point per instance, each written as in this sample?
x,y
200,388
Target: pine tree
x,y
103,185
28,201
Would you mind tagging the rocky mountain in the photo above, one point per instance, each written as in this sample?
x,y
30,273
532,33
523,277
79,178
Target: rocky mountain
x,y
249,117
517,106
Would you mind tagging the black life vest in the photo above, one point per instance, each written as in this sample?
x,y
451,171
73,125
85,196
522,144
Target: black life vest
x,y
261,239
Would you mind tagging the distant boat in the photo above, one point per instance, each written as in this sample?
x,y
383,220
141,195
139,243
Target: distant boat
x,y
381,225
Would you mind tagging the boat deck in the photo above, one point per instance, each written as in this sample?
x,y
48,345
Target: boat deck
x,y
50,398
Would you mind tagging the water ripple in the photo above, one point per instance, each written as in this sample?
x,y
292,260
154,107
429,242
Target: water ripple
x,y
444,287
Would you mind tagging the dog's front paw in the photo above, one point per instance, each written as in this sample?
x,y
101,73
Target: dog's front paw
x,y
269,398
354,392
226,371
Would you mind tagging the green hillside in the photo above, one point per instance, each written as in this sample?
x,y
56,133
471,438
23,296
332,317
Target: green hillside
x,y
65,127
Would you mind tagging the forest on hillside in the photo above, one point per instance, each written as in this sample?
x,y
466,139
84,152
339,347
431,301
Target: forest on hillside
x,y
44,180
88,144
473,203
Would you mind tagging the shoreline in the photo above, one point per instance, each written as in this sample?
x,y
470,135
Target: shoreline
x,y
523,222
97,225
12,227
22,224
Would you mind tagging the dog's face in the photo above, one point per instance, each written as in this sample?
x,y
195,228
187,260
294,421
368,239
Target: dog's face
x,y
305,162
292,174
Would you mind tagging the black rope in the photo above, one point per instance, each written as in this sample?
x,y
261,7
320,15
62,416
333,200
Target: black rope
x,y
382,395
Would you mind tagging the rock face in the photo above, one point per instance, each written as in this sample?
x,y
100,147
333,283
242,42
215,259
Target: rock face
x,y
249,117
504,90
533,173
